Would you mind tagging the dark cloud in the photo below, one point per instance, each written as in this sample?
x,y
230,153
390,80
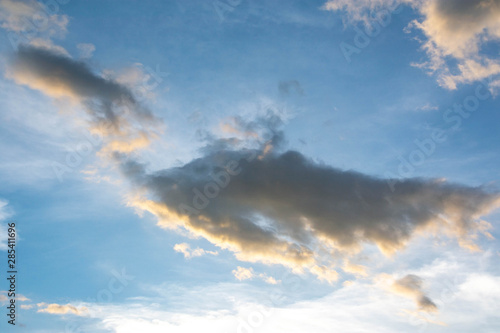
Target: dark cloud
x,y
283,207
470,10
112,108
61,71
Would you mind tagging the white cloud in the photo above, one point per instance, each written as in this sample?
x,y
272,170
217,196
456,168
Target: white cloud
x,y
28,19
242,273
185,249
360,10
269,279
59,309
15,15
48,45
4,211
428,107
454,30
325,273
470,303
19,298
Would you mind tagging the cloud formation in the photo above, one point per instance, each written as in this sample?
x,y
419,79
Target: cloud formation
x,y
19,297
456,33
26,20
111,108
412,286
86,50
264,204
360,10
459,30
185,249
242,273
283,208
55,308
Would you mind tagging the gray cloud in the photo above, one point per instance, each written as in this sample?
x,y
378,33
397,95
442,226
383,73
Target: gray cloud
x,y
262,204
412,286
283,207
111,108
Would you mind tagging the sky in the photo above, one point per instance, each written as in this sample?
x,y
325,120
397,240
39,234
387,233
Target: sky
x,y
251,166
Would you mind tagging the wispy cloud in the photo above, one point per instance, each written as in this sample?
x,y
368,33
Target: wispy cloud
x,y
455,33
59,309
26,20
86,50
242,273
185,249
359,306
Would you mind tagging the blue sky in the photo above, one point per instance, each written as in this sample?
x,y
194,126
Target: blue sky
x,y
251,166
